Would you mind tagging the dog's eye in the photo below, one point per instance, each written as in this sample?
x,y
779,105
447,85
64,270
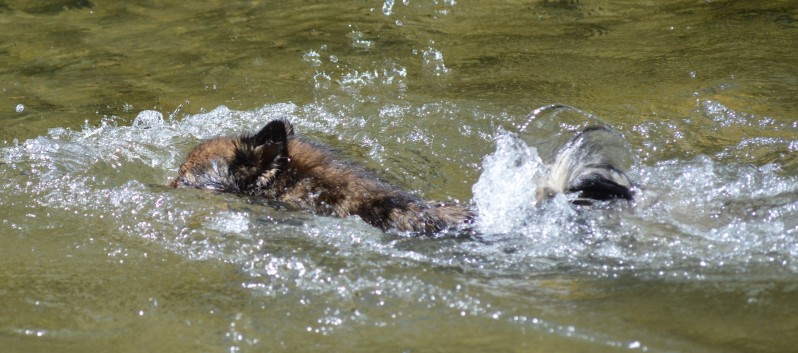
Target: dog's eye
x,y
183,181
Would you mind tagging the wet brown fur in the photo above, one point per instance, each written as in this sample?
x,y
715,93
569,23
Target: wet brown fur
x,y
277,165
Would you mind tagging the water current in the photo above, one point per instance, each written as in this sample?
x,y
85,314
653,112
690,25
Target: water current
x,y
450,100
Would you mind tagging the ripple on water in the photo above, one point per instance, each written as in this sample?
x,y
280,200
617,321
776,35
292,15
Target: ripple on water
x,y
695,212
692,219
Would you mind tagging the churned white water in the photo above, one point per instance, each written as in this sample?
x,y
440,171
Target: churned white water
x,y
505,192
692,219
690,216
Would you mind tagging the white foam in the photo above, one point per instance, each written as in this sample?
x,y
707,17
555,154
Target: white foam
x,y
700,211
504,195
230,222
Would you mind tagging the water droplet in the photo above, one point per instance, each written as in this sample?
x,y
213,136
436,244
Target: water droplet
x,y
387,7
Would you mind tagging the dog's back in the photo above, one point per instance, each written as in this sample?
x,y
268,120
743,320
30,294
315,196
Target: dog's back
x,y
319,180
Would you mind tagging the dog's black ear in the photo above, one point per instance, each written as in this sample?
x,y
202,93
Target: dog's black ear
x,y
270,144
275,132
269,148
289,128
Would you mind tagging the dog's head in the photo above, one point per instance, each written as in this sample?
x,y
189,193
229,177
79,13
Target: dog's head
x,y
243,164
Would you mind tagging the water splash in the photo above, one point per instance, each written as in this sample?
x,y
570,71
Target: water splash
x,y
693,217
690,218
505,192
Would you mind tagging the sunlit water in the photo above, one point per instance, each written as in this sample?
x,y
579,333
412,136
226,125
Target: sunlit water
x,y
98,253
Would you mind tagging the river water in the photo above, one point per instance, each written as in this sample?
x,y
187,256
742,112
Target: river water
x,y
101,100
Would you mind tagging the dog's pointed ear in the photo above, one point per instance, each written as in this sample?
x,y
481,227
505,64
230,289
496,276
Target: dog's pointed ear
x,y
289,128
275,132
271,151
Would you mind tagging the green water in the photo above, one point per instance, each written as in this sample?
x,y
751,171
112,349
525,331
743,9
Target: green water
x,y
99,255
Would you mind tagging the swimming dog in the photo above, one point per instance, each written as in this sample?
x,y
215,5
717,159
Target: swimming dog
x,y
278,165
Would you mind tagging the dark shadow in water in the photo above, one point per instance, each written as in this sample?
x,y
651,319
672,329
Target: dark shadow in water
x,y
49,7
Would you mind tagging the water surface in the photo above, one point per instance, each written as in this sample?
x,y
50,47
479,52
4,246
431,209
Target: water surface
x,y
100,101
